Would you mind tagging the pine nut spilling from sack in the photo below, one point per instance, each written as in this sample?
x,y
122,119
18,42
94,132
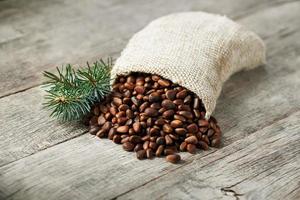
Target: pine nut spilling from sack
x,y
154,117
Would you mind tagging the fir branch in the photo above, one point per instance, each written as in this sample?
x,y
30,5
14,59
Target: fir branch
x,y
71,93
96,80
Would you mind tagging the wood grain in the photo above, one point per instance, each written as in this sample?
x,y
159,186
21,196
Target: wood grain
x,y
81,168
270,92
86,168
26,128
40,35
258,110
250,100
264,165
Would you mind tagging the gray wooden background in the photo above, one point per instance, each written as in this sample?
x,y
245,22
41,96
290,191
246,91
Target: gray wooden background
x,y
259,110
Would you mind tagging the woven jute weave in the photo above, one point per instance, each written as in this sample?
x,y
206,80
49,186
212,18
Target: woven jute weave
x,y
197,50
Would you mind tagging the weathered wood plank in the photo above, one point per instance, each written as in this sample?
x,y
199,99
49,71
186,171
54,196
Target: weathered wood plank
x,y
38,35
85,168
263,94
73,168
241,110
26,128
265,165
258,95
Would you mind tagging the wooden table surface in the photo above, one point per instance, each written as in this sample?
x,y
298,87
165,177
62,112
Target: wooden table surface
x,y
258,110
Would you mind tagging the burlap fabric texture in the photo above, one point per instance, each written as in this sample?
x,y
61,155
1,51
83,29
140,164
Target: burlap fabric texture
x,y
194,49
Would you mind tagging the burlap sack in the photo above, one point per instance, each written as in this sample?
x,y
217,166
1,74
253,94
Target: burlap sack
x,y
195,49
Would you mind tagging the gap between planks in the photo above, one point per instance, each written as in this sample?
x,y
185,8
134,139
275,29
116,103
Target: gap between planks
x,y
144,10
74,184
236,18
212,151
60,142
273,55
237,187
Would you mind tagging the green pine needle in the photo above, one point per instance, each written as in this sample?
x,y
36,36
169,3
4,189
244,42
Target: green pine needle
x,y
71,93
